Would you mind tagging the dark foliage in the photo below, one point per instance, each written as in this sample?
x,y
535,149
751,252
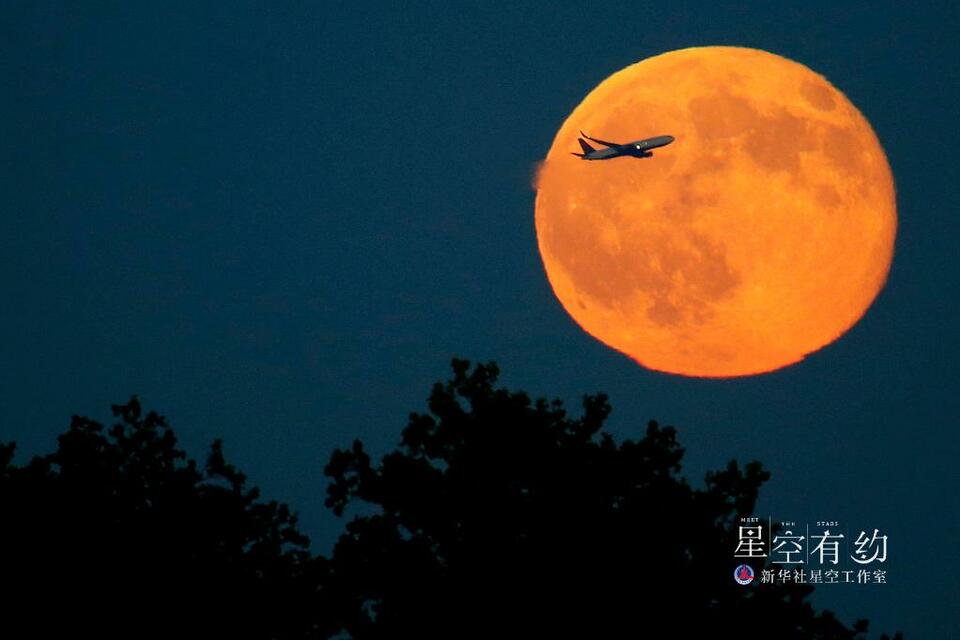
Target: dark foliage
x,y
497,517
503,517
118,535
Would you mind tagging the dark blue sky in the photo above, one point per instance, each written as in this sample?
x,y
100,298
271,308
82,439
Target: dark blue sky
x,y
277,225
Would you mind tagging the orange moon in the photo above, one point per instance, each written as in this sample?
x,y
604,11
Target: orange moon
x,y
761,234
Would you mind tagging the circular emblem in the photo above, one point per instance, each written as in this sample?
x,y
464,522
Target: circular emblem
x,y
743,574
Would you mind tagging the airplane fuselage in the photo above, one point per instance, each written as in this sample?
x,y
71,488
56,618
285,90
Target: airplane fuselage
x,y
635,149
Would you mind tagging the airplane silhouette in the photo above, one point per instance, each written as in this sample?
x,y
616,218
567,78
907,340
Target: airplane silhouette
x,y
635,149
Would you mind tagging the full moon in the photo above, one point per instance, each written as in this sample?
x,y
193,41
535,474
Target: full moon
x,y
763,233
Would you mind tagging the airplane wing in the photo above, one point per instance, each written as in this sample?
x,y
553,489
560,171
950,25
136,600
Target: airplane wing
x,y
603,142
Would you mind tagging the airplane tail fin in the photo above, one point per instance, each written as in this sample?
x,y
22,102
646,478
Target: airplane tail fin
x,y
586,147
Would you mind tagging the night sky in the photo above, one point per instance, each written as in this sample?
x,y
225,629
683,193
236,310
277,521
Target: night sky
x,y
278,224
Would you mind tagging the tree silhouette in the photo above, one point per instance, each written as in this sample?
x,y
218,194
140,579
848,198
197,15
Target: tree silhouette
x,y
502,517
118,535
496,517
